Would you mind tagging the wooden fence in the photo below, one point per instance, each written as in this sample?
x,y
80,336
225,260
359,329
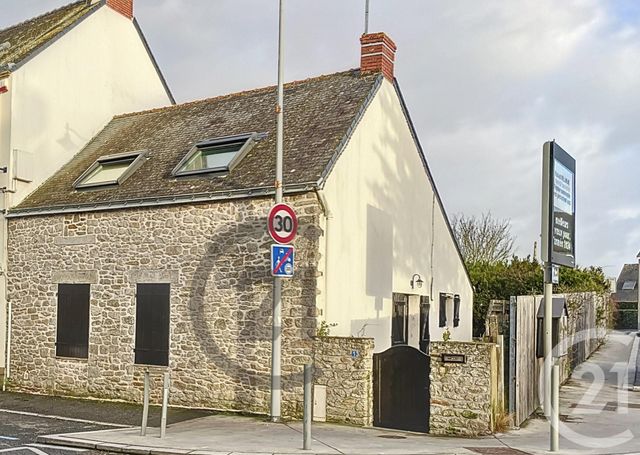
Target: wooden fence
x,y
581,333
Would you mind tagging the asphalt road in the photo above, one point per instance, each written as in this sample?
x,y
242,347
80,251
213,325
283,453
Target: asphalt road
x,y
18,434
24,417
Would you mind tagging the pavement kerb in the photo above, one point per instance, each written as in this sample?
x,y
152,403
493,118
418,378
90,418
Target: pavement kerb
x,y
64,441
61,440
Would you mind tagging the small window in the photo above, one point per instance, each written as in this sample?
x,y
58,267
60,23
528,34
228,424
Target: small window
x,y
152,324
400,319
216,155
629,285
72,338
110,170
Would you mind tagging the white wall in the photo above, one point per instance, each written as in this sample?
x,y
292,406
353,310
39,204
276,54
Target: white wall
x,y
71,90
384,221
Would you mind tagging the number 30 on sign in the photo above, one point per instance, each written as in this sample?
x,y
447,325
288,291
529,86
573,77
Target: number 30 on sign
x,y
283,223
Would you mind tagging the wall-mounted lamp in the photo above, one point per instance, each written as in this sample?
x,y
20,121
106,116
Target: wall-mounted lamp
x,y
416,280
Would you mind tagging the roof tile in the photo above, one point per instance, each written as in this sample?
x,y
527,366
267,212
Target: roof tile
x,y
318,115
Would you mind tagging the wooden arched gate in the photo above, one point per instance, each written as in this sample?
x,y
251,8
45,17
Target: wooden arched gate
x,y
401,389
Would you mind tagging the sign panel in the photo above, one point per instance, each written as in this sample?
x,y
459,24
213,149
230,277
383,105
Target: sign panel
x,y
559,206
282,257
282,224
454,358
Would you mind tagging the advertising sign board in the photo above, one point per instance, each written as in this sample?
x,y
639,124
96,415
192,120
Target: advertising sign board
x,y
558,206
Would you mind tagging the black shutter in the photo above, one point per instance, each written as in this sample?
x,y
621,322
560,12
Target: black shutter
x,y
442,313
425,335
456,310
399,319
152,324
72,338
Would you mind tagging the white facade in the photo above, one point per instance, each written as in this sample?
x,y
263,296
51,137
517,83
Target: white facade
x,y
63,96
385,223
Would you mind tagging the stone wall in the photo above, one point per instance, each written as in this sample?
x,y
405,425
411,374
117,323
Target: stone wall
x,y
216,257
463,396
344,366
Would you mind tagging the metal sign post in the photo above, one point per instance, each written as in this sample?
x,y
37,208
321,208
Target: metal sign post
x,y
276,329
558,248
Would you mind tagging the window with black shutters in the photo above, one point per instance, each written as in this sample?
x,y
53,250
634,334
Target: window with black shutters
x,y
152,324
456,310
400,319
425,336
72,337
442,311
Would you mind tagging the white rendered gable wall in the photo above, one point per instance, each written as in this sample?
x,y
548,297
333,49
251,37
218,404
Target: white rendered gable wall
x,y
67,93
380,233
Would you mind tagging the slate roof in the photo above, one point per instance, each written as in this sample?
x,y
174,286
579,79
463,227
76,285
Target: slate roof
x,y
29,36
629,273
320,113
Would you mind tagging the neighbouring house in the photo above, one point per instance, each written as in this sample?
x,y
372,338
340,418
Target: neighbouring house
x,y
149,250
626,298
63,76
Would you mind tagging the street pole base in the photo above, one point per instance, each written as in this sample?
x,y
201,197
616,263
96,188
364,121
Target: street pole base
x,y
274,419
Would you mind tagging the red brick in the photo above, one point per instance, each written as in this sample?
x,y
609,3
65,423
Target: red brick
x,y
124,7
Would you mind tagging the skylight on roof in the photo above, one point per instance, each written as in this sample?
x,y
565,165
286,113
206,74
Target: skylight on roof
x,y
629,285
109,170
216,155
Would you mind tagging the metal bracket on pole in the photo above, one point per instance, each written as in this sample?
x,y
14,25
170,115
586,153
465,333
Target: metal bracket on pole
x,y
165,404
308,406
145,406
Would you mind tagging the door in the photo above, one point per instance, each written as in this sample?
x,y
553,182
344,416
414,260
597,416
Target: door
x,y
401,389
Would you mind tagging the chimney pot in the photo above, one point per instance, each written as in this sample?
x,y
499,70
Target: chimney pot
x,y
124,7
378,54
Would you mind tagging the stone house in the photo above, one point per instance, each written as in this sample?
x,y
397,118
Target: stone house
x,y
626,297
63,76
149,249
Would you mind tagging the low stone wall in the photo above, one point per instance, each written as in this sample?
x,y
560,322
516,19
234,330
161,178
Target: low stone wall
x,y
344,366
463,395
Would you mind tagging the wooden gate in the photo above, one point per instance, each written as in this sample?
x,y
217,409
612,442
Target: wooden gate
x,y
401,389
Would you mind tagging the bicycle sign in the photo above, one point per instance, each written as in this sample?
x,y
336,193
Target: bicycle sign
x,y
283,223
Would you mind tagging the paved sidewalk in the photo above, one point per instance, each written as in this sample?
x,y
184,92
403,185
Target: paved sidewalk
x,y
599,417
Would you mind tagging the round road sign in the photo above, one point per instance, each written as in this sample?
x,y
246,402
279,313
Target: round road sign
x,y
283,223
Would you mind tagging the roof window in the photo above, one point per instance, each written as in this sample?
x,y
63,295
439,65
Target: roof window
x,y
216,155
110,170
629,285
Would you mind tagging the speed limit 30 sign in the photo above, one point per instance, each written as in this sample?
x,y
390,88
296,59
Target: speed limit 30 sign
x,y
283,223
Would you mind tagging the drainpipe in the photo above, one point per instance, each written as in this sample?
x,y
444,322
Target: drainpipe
x,y
6,162
327,217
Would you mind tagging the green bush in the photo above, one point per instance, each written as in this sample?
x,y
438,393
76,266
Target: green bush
x,y
500,281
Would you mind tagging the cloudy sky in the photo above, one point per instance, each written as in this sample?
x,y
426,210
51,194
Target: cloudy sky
x,y
487,84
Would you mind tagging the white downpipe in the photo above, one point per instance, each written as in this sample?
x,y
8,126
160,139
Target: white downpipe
x,y
327,222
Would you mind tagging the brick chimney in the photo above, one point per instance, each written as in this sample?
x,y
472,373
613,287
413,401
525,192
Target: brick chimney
x,y
378,54
124,7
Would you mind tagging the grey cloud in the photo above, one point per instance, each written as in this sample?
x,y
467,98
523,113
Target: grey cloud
x,y
487,83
